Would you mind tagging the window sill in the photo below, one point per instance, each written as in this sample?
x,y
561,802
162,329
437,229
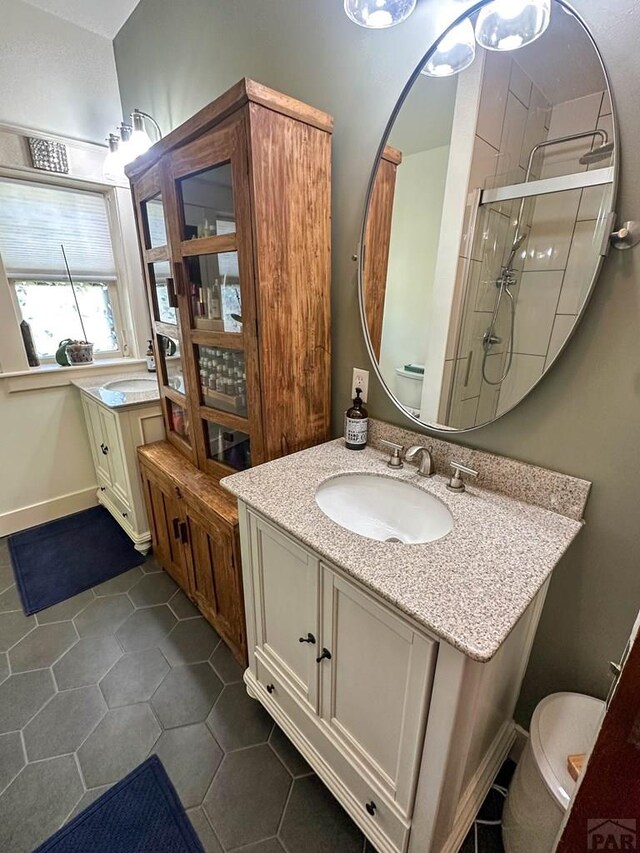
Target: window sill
x,y
53,375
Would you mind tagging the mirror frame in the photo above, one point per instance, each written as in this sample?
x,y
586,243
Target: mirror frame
x,y
443,428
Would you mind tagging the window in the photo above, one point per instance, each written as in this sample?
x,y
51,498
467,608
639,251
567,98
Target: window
x,y
36,220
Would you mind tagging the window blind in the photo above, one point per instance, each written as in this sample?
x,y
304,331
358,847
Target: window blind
x,y
36,218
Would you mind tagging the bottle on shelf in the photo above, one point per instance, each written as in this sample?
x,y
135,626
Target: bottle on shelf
x,y
151,359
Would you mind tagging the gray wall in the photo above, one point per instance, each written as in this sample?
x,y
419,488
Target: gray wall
x,y
584,418
56,76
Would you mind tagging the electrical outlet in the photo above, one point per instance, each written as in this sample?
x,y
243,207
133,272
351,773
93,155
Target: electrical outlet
x,y
360,380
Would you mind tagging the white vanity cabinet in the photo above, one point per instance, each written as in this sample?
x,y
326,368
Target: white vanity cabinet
x,y
406,731
114,435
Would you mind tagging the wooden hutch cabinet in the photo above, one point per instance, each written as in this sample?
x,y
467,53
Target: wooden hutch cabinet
x,y
233,215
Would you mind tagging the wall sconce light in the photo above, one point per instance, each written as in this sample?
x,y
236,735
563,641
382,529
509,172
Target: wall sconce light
x,y
454,52
510,24
113,166
379,14
129,142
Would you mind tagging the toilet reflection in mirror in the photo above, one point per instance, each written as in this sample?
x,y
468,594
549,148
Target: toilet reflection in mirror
x,y
485,225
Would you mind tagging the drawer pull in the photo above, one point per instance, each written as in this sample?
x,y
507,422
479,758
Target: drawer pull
x,y
326,655
184,533
270,688
371,808
308,639
104,449
176,528
102,488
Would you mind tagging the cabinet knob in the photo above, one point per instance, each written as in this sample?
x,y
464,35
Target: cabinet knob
x,y
371,807
102,488
326,655
308,639
270,688
104,449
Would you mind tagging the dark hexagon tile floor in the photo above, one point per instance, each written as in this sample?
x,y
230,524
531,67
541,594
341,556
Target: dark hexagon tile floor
x,y
92,686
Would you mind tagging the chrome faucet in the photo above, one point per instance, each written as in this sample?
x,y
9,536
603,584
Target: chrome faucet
x,y
426,467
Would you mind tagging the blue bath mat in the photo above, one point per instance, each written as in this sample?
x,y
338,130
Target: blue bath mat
x,y
140,814
57,560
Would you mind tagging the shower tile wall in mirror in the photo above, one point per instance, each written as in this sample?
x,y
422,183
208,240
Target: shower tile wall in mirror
x,y
487,216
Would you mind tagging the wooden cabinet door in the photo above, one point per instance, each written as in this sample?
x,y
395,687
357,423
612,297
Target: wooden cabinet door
x,y
376,686
216,585
377,244
165,522
286,593
96,440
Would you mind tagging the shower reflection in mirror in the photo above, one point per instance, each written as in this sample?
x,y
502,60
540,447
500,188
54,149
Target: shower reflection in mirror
x,y
485,225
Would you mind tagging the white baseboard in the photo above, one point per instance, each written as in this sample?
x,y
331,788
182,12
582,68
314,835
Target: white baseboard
x,y
29,516
522,736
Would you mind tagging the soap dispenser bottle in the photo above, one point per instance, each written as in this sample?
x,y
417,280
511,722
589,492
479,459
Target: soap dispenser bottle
x,y
151,359
356,424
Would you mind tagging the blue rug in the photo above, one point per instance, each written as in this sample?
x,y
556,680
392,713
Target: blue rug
x,y
57,560
140,814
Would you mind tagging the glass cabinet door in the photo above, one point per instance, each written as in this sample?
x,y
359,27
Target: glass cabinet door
x,y
164,300
171,369
210,186
214,292
208,207
154,225
223,379
154,201
226,446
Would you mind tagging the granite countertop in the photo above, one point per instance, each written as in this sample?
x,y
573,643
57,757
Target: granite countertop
x,y
468,588
98,388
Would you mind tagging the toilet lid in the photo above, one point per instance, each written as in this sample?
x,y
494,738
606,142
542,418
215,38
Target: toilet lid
x,y
563,724
410,374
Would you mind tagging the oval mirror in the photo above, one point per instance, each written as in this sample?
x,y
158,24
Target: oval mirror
x,y
488,213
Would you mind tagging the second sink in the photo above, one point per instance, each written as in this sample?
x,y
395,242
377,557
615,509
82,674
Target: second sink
x,y
129,385
384,508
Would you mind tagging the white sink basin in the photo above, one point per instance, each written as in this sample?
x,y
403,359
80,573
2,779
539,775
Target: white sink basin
x,y
128,385
383,508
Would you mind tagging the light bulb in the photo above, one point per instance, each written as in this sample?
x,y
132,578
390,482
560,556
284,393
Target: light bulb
x,y
454,52
125,148
378,14
113,166
510,24
140,140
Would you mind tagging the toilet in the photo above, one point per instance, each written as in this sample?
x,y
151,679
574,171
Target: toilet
x,y
408,388
562,724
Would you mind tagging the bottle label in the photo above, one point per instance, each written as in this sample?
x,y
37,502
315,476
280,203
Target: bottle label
x,y
355,430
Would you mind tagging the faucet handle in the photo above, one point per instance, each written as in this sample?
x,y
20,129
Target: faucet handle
x,y
456,483
395,458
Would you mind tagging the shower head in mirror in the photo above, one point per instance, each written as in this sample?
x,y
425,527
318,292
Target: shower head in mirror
x,y
602,152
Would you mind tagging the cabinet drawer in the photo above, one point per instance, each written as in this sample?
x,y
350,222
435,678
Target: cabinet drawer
x,y
386,828
121,507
